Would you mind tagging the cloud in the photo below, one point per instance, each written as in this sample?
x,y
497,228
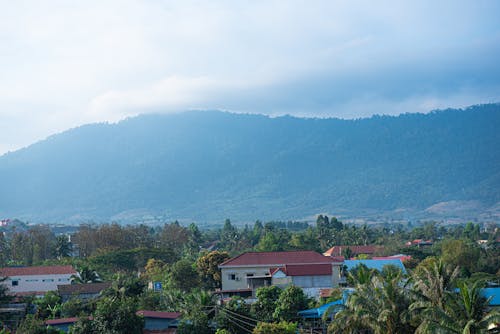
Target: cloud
x,y
72,63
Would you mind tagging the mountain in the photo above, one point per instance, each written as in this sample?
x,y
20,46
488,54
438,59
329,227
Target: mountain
x,y
209,165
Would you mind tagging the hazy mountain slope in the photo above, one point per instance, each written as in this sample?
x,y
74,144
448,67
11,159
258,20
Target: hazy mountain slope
x,y
211,165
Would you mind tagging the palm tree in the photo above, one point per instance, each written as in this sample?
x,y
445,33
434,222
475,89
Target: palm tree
x,y
465,312
85,275
379,305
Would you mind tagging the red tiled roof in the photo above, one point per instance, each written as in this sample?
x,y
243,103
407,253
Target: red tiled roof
x,y
61,321
339,250
40,270
308,270
276,258
158,314
82,288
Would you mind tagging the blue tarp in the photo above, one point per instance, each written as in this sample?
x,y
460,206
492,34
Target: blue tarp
x,y
494,293
317,313
375,264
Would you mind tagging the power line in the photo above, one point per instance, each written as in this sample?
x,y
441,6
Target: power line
x,y
235,323
240,315
239,320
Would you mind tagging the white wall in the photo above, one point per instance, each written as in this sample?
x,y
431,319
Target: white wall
x,y
28,283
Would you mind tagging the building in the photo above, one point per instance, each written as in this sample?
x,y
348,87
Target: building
x,y
160,322
352,251
36,280
244,274
81,291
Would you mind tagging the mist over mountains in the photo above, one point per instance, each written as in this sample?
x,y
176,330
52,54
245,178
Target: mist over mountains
x,y
210,165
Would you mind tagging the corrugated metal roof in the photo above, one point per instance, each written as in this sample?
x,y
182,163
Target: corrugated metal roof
x,y
375,264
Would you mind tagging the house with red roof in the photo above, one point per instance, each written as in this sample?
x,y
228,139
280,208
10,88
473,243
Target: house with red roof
x,y
35,280
352,251
244,274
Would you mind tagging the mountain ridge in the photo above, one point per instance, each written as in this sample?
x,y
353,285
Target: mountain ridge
x,y
209,165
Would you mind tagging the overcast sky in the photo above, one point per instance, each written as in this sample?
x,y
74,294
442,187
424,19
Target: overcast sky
x,y
66,63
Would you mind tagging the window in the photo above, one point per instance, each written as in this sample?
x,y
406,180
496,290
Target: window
x,y
48,280
249,274
15,283
232,277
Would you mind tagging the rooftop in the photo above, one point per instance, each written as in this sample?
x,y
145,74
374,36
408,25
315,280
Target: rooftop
x,y
82,288
375,264
158,314
38,270
276,258
355,250
307,270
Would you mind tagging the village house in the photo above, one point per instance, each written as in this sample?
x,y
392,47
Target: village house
x,y
244,274
81,291
35,280
352,251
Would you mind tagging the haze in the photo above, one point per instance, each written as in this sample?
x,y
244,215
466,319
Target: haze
x,y
64,64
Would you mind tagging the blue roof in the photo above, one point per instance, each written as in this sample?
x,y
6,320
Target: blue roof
x,y
316,313
375,264
494,293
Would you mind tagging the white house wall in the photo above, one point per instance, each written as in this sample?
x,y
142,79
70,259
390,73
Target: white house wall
x,y
29,283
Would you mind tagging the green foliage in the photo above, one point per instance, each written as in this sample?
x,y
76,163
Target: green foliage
x,y
183,276
460,253
281,327
33,325
235,316
111,316
207,266
49,306
85,275
290,302
267,298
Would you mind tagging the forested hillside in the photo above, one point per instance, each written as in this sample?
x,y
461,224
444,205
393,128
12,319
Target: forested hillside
x,y
209,165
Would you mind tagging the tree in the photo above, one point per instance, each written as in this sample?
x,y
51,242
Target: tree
x,y
267,298
111,316
85,275
290,302
48,307
465,312
281,327
460,253
63,247
174,236
379,305
235,316
183,276
155,270
208,268
33,325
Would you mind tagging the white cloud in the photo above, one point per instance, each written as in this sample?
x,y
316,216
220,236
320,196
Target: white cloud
x,y
66,63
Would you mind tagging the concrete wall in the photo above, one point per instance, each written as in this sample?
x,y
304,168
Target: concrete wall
x,y
240,281
323,281
36,283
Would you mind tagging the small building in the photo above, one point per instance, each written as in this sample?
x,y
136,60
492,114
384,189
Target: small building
x,y
352,251
61,324
81,291
156,322
35,280
243,274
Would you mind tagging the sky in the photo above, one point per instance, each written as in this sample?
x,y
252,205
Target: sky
x,y
68,63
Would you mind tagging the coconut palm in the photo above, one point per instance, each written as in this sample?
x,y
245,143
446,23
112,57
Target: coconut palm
x,y
85,275
465,311
379,305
